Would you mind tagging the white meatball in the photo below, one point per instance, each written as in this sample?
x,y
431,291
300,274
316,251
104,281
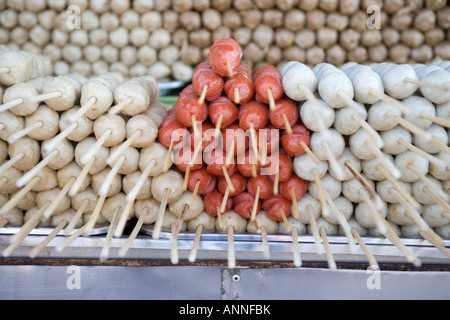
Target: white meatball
x,y
100,156
334,140
444,231
330,184
351,189
437,132
358,145
411,232
443,111
309,112
148,128
113,204
364,216
369,167
345,123
262,220
346,157
406,158
392,137
308,201
72,171
231,218
154,153
183,203
398,215
375,232
47,180
15,217
129,181
383,189
148,208
378,118
441,172
114,124
170,219
86,195
49,196
418,106
434,216
66,217
172,181
99,178
393,77
344,206
49,120
304,165
363,79
131,163
297,74
84,128
354,224
65,153
31,151
294,223
207,221
43,221
330,229
11,124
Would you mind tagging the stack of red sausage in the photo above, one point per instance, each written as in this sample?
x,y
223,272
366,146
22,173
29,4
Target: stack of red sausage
x,y
226,94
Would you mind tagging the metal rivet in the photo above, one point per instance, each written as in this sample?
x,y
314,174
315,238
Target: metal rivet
x,y
236,278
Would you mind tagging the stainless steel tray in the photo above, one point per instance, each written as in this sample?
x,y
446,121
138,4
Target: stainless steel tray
x,y
45,231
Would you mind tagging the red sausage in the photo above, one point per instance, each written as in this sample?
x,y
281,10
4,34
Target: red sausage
x,y
183,158
223,107
273,206
269,137
255,113
285,165
187,106
208,141
172,129
223,55
218,161
237,180
284,108
242,83
205,76
295,183
241,139
265,78
243,205
291,142
213,200
169,118
245,164
207,181
265,184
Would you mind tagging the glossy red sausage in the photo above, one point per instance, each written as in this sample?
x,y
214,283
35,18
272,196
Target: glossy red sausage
x,y
223,107
291,143
205,76
265,78
295,183
213,200
223,55
265,184
171,115
183,157
209,141
245,164
284,108
243,204
240,137
269,137
273,206
255,113
242,84
172,130
207,181
218,161
237,180
284,164
187,106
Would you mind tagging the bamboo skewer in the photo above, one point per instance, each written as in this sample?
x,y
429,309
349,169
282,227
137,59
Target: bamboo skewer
x,y
105,251
315,230
296,248
47,240
159,220
331,263
193,253
372,261
77,217
120,106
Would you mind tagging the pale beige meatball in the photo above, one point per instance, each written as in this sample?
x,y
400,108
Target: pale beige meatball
x,y
99,178
364,216
131,162
171,181
262,220
49,196
398,215
169,219
65,217
47,180
156,154
130,180
115,125
148,208
330,229
70,173
113,204
10,124
100,156
49,120
87,195
344,206
351,189
28,149
184,206
64,152
11,176
207,221
43,222
353,224
14,217
148,128
27,202
84,126
434,215
233,219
